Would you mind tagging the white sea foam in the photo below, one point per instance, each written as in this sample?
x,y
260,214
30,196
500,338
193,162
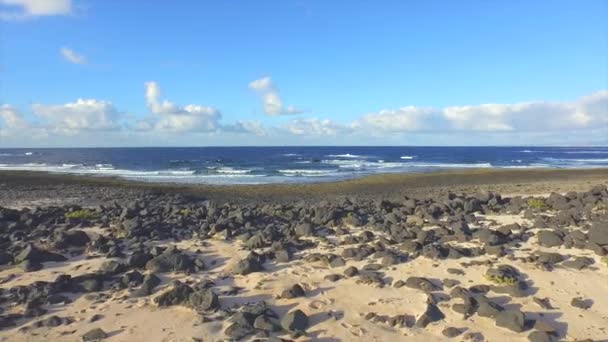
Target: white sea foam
x,y
408,157
306,171
231,170
347,155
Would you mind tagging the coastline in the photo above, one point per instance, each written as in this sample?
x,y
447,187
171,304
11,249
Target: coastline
x,y
36,184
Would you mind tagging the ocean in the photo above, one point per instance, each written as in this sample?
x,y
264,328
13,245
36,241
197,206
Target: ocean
x,y
258,165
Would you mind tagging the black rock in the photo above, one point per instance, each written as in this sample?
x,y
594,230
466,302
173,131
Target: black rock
x,y
147,286
578,263
94,335
420,283
304,229
432,314
139,259
5,259
487,308
170,261
539,336
294,292
599,233
351,271
112,267
451,332
513,320
204,300
35,254
52,321
73,238
238,331
332,277
252,263
264,323
548,238
295,321
179,294
30,266
581,303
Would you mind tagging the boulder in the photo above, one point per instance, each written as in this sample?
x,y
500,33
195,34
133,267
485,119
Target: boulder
x,y
295,321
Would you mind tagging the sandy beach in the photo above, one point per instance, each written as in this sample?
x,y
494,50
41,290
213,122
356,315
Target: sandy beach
x,y
476,255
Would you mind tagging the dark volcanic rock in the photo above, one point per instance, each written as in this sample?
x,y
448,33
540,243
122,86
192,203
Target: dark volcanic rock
x,y
94,335
420,283
599,233
37,255
539,336
171,260
451,332
252,263
351,271
179,294
548,238
581,303
513,320
432,314
139,259
295,321
204,300
147,286
237,331
304,229
294,292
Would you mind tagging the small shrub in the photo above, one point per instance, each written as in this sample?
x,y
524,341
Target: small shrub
x,y
537,203
81,215
185,212
501,280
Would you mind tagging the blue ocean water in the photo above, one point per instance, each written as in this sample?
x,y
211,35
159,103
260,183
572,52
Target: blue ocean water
x,y
254,165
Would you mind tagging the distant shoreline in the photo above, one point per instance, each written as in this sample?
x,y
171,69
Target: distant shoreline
x,y
395,185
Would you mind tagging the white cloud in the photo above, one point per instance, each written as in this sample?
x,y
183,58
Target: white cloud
x,y
586,112
72,57
82,115
273,104
13,121
24,9
254,127
15,126
315,126
173,118
400,120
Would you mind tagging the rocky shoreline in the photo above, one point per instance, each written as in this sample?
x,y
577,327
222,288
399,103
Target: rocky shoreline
x,y
134,263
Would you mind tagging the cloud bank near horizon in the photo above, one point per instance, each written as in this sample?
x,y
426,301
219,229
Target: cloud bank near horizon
x,y
580,121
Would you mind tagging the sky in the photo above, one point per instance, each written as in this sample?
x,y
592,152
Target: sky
x,y
97,73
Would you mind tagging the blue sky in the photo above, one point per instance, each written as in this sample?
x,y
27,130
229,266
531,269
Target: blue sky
x,y
303,72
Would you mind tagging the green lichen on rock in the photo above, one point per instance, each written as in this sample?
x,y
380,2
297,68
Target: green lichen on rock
x,y
82,214
538,204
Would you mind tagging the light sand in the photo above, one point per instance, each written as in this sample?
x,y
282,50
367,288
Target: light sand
x,y
336,309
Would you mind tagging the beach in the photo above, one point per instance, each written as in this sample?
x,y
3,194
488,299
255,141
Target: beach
x,y
463,255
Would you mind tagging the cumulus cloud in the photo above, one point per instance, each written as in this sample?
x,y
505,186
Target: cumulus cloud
x,y
254,127
586,112
315,126
14,125
173,118
24,9
399,120
13,120
82,115
72,57
273,104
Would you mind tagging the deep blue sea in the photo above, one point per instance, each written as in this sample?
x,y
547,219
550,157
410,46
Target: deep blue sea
x,y
254,165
